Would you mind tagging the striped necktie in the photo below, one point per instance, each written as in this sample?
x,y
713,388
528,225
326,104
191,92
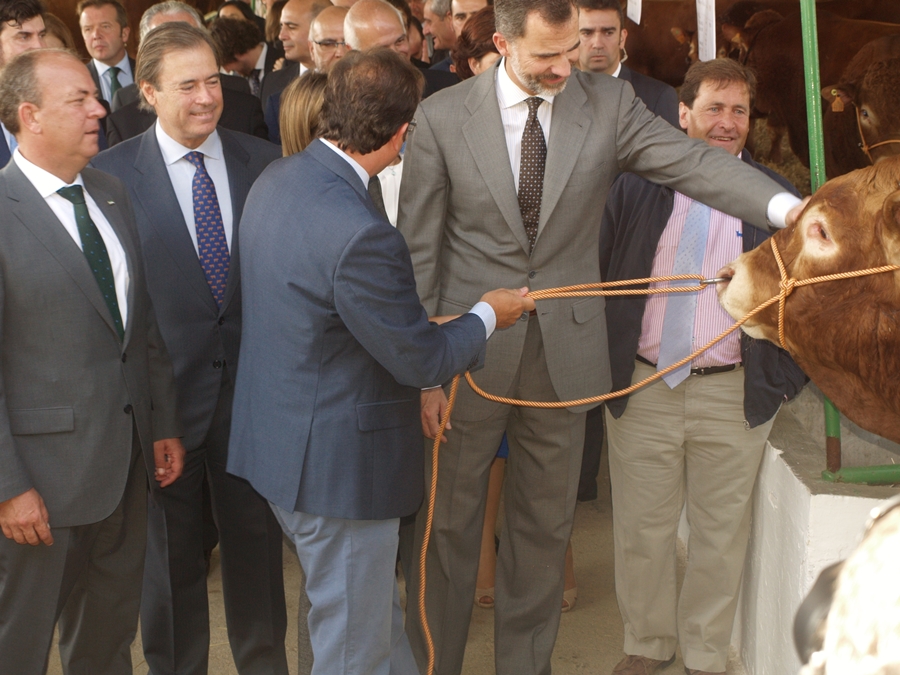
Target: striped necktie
x,y
212,246
94,249
678,323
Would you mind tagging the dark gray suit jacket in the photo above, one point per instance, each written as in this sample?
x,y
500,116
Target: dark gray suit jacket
x,y
336,347
202,337
71,393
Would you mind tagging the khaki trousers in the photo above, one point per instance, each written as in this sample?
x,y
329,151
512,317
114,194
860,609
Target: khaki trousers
x,y
671,448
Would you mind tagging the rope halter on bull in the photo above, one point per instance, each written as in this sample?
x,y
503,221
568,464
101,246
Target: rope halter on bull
x,y
609,288
863,143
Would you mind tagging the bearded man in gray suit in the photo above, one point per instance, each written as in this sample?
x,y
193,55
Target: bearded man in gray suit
x,y
87,397
504,182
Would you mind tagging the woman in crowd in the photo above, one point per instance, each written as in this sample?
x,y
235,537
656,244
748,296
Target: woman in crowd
x,y
301,104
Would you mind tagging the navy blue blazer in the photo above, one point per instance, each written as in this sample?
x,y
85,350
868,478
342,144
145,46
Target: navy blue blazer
x,y
636,214
336,347
202,338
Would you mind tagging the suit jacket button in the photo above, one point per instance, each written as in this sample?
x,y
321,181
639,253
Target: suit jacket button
x,y
221,320
532,274
128,409
124,358
217,364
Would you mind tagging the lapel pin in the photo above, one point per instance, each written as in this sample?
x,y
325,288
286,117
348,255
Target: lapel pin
x,y
110,202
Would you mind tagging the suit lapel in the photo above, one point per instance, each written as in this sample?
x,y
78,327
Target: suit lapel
x,y
114,216
568,129
240,180
157,198
486,140
338,165
31,209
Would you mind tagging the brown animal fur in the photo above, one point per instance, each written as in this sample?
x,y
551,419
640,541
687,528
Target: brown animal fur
x,y
844,334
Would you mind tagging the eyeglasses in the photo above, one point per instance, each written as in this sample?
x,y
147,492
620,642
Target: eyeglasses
x,y
330,44
409,129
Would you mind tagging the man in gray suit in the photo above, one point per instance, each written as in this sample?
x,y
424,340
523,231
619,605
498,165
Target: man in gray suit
x,y
504,183
336,346
88,398
188,181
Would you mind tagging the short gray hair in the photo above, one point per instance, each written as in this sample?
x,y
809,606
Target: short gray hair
x,y
169,37
512,15
19,83
168,7
441,7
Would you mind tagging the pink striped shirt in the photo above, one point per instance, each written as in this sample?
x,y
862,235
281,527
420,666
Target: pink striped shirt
x,y
723,245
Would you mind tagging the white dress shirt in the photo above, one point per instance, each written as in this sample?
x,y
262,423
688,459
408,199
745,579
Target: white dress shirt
x,y
390,179
481,309
47,184
181,175
514,113
125,76
261,62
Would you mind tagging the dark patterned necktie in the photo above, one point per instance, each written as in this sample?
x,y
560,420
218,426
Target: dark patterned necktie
x,y
254,81
94,249
531,171
212,246
114,84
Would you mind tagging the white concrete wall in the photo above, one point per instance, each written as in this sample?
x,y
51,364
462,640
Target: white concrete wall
x,y
801,525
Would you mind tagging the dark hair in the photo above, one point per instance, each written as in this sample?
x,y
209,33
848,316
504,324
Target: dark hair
x,y
475,40
121,14
512,15
596,5
721,73
369,96
273,20
242,7
167,37
19,11
56,26
403,7
234,37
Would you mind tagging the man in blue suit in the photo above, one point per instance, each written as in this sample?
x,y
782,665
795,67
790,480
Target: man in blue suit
x,y
188,179
336,347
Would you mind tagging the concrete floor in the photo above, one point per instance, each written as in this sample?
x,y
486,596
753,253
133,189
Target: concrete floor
x,y
590,636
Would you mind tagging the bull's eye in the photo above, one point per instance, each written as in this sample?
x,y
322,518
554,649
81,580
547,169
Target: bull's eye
x,y
864,113
817,231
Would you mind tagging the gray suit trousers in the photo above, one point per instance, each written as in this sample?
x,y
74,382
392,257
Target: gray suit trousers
x,y
545,448
174,606
89,581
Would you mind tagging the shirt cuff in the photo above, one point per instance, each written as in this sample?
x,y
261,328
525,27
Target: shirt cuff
x,y
486,313
778,208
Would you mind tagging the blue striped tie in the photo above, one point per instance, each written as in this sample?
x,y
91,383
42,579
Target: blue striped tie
x,y
678,323
212,246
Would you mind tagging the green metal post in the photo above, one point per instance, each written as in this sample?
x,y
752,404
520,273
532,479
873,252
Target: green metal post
x,y
817,178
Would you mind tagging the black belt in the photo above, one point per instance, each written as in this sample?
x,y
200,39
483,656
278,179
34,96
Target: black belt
x,y
709,370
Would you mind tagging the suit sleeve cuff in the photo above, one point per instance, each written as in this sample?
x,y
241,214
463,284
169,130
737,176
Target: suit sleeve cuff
x,y
486,313
778,208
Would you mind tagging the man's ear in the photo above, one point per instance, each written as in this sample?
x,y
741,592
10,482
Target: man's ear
x,y
126,33
148,91
502,44
29,117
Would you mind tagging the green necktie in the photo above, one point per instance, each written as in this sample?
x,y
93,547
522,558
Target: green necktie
x,y
95,251
114,84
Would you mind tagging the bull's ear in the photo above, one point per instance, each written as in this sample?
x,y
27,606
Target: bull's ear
x,y
731,32
891,212
839,96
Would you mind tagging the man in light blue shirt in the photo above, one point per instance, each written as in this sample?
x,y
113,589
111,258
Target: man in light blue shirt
x,y
104,27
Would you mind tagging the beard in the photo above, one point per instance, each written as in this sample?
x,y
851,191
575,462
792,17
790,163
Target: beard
x,y
536,83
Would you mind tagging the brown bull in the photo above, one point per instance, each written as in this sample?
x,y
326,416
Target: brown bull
x,y
862,121
844,334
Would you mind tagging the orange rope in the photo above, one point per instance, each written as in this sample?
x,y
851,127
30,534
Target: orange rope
x,y
786,285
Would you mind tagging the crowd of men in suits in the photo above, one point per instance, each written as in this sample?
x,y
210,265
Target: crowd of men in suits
x,y
134,281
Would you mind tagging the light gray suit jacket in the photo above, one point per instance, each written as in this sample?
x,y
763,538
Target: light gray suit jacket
x,y
460,216
70,392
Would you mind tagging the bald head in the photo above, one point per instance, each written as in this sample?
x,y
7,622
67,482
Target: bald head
x,y
296,17
326,38
375,23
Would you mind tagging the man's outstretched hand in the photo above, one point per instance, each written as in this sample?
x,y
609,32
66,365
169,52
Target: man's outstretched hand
x,y
508,305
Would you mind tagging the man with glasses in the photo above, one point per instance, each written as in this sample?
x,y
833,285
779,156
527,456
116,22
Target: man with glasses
x,y
326,38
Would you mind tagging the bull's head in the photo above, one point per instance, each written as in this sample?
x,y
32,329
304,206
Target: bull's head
x,y
875,100
846,333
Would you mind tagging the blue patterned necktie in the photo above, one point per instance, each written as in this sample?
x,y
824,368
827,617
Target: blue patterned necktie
x,y
212,246
94,249
678,322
